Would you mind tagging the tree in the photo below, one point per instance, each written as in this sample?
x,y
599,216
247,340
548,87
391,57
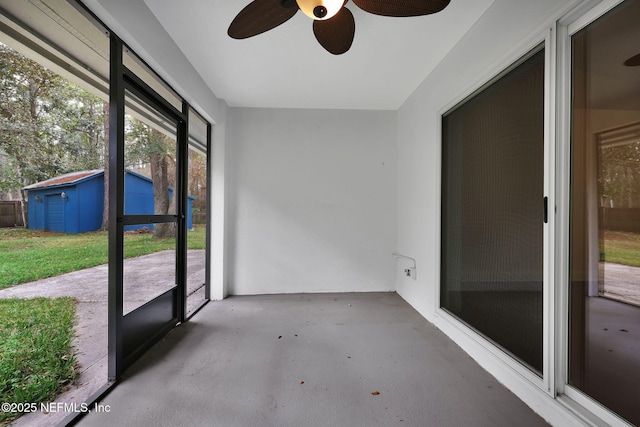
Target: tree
x,y
147,147
198,182
9,181
23,132
619,175
48,126
25,101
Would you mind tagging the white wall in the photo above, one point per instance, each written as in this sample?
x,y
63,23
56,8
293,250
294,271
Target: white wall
x,y
217,216
311,204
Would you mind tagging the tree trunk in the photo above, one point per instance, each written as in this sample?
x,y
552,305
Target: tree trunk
x,y
21,193
159,166
22,211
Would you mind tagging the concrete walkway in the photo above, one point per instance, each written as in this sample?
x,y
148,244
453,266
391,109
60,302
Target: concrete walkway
x,y
622,283
145,277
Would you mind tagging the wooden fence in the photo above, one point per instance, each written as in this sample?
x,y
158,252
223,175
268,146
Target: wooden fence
x,y
199,218
620,219
10,214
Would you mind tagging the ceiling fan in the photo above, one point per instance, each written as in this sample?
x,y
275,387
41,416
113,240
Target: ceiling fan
x,y
333,24
634,61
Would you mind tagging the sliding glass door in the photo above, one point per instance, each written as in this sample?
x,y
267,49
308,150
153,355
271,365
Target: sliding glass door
x,y
493,211
604,347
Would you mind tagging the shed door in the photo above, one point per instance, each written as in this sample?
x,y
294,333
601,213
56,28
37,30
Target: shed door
x,y
54,215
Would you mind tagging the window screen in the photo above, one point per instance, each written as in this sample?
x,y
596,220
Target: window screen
x,y
492,210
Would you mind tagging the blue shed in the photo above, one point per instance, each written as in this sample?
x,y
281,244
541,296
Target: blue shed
x,y
73,203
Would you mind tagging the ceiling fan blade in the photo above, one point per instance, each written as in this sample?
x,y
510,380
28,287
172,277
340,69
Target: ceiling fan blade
x,y
402,7
634,61
336,34
260,16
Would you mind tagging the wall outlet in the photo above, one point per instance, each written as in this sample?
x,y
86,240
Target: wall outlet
x,y
410,272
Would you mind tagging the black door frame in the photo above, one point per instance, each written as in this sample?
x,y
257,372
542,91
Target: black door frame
x,y
130,335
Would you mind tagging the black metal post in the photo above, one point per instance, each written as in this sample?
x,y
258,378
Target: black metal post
x,y
116,209
182,185
207,287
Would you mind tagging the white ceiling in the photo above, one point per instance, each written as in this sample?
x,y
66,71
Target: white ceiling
x,y
287,68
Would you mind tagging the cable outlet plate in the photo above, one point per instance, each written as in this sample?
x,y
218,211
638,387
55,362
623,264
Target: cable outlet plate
x,y
410,272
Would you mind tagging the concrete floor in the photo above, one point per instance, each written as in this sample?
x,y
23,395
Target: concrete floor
x,y
612,374
90,288
309,360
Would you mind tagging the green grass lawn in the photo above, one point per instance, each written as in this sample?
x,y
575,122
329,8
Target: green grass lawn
x,y
27,255
36,356
622,248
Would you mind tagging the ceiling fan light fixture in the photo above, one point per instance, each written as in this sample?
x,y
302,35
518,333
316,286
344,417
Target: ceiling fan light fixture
x,y
320,10
333,24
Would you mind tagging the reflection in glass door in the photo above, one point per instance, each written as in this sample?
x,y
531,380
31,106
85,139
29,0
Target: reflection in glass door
x,y
604,352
